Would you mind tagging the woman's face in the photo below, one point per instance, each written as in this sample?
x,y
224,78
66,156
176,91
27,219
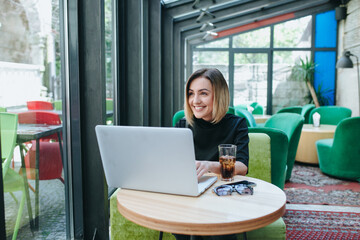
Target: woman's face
x,y
201,97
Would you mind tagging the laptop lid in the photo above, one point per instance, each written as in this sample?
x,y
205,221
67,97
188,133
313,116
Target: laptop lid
x,y
156,159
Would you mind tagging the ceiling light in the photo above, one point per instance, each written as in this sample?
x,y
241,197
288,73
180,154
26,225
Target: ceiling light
x,y
204,12
205,25
209,33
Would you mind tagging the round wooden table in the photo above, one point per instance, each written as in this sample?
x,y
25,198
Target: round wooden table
x,y
306,151
207,214
261,118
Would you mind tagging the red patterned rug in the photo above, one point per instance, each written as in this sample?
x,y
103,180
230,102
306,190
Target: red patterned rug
x,y
305,224
308,185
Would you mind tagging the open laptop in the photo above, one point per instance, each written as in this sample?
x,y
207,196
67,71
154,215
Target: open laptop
x,y
155,159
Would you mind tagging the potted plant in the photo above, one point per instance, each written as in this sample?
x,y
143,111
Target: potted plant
x,y
304,71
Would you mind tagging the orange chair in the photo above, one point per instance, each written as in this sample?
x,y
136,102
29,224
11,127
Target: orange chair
x,y
39,105
50,163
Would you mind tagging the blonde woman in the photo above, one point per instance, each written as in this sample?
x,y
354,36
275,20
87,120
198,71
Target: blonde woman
x,y
206,105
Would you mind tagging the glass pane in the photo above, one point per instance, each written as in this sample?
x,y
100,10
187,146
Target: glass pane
x,y
293,34
324,79
109,63
212,59
259,38
30,80
222,43
286,90
326,30
250,78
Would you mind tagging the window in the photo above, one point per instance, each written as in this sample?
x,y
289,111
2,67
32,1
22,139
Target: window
x,y
293,34
258,63
30,70
212,59
254,39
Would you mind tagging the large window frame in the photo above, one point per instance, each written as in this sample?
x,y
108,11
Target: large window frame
x,y
270,50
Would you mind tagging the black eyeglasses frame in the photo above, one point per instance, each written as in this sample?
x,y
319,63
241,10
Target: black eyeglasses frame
x,y
243,187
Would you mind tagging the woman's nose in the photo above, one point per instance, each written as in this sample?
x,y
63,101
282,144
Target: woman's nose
x,y
196,98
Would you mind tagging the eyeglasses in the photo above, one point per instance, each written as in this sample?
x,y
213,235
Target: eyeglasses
x,y
243,188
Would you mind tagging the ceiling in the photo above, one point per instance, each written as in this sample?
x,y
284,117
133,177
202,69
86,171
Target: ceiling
x,y
195,18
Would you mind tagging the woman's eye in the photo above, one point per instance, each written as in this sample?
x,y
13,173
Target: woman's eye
x,y
190,94
204,93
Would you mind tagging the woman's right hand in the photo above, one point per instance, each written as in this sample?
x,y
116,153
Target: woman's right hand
x,y
203,167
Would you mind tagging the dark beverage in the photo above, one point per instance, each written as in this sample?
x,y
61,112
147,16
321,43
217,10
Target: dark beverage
x,y
227,167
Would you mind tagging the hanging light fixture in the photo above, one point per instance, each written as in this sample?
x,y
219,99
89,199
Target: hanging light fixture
x,y
346,62
209,33
204,12
205,25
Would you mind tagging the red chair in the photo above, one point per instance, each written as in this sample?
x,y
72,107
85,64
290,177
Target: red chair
x,y
50,163
39,105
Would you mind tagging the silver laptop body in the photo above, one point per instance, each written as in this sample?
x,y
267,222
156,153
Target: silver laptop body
x,y
155,159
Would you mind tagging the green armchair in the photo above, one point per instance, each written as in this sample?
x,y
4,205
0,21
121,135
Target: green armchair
x,y
330,114
241,106
292,109
231,110
258,109
291,124
279,152
259,167
177,116
250,120
340,156
305,112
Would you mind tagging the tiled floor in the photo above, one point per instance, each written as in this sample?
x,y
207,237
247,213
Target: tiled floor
x,y
52,223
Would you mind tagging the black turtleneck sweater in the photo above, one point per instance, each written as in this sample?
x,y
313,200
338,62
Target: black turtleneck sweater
x,y
208,136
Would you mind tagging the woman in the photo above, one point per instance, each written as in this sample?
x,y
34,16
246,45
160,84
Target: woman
x,y
206,104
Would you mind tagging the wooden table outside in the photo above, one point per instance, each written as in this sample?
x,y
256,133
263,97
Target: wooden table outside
x,y
26,133
261,118
306,151
207,214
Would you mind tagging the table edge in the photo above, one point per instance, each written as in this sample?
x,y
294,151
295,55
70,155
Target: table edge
x,y
202,229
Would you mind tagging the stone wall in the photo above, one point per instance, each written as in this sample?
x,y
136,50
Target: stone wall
x,y
347,88
19,31
26,45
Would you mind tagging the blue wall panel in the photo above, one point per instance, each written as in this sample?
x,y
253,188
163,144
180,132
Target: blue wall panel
x,y
326,30
324,78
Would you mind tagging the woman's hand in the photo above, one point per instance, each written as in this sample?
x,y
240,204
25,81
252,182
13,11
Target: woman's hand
x,y
202,167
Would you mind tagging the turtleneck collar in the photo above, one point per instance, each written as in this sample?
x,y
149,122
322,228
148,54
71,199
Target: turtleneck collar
x,y
205,124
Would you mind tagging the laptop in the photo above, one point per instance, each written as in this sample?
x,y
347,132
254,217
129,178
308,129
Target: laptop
x,y
155,159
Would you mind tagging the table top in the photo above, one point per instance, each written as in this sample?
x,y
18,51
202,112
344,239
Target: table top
x,y
207,214
261,116
28,132
322,128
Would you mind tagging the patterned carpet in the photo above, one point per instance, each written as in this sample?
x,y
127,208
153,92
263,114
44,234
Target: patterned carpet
x,y
304,224
308,185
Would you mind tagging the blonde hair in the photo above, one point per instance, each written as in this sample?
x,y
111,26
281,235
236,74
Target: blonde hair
x,y
221,94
